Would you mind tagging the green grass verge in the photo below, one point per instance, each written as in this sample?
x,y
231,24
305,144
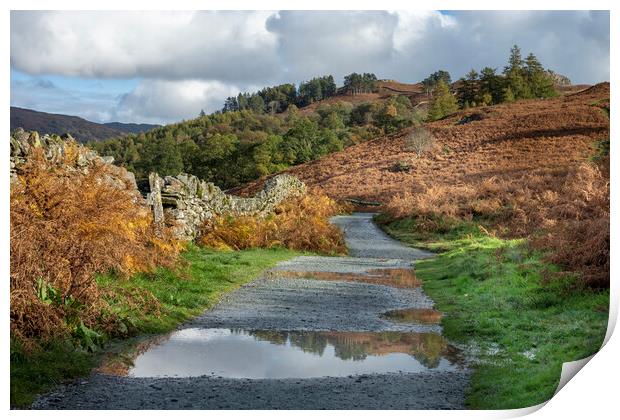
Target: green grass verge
x,y
182,293
519,328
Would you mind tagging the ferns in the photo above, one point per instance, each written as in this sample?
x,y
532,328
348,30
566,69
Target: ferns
x,y
301,224
66,226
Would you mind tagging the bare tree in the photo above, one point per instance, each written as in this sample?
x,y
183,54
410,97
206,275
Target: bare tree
x,y
419,141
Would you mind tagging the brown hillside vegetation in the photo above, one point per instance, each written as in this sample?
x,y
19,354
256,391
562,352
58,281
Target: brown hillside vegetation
x,y
525,167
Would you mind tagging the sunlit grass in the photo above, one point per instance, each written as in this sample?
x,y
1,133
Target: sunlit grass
x,y
497,306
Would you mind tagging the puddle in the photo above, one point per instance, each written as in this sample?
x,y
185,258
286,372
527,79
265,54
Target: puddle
x,y
414,315
234,353
396,277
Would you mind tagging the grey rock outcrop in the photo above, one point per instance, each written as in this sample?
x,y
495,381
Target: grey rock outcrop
x,y
559,79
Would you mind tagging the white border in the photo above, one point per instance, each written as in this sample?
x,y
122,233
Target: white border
x,y
593,393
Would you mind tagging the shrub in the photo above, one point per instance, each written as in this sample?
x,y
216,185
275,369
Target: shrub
x,y
66,226
579,236
301,224
419,141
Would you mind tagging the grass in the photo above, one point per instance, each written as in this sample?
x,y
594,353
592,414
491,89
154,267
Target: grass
x,y
183,293
519,328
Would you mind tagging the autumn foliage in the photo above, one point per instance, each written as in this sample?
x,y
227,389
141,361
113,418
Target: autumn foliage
x,y
301,224
66,226
524,169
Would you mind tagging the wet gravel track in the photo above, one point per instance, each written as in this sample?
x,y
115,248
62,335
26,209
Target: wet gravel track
x,y
295,304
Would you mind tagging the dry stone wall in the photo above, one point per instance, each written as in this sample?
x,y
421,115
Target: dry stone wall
x,y
57,150
183,202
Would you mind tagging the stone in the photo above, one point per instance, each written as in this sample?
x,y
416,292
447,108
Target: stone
x,y
188,202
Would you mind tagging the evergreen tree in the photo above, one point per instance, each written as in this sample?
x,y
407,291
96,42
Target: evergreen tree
x,y
515,75
431,81
540,82
443,103
468,89
256,104
491,84
508,95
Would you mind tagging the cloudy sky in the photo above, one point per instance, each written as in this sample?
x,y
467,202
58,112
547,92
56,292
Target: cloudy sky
x,y
160,67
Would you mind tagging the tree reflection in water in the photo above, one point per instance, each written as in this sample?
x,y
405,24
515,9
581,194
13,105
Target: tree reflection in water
x,y
426,348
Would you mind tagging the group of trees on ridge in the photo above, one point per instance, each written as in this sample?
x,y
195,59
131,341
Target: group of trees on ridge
x,y
264,132
521,79
277,99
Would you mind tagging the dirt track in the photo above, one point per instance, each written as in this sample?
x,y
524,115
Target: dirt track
x,y
282,302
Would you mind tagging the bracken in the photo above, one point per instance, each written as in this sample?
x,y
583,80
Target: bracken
x,y
301,224
66,226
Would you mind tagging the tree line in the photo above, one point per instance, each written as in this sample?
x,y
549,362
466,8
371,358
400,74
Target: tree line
x,y
235,147
277,99
263,132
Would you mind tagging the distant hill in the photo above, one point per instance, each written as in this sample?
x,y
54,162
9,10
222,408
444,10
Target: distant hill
x,y
81,129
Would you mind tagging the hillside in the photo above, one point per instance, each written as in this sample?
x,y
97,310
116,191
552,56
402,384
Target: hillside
x,y
385,89
504,141
523,170
79,128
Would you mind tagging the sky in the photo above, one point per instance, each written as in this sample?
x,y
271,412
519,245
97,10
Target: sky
x,y
162,67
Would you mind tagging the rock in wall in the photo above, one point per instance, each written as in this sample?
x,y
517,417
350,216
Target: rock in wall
x,y
185,202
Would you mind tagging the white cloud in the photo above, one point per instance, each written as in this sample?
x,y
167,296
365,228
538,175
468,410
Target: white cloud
x,y
167,45
156,101
193,60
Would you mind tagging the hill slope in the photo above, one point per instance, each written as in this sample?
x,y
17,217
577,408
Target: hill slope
x,y
507,140
81,129
535,169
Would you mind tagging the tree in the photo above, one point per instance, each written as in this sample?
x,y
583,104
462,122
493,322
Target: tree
x,y
491,84
202,113
508,95
515,75
419,141
540,82
231,104
256,104
431,81
362,114
355,83
515,61
300,141
443,103
162,156
468,89
329,86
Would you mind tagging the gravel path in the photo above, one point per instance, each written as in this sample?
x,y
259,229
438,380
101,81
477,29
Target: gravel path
x,y
279,301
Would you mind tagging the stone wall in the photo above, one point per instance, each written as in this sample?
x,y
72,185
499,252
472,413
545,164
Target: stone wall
x,y
56,151
185,202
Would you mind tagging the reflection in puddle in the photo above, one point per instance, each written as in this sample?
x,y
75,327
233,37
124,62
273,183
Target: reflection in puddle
x,y
414,315
277,354
396,277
